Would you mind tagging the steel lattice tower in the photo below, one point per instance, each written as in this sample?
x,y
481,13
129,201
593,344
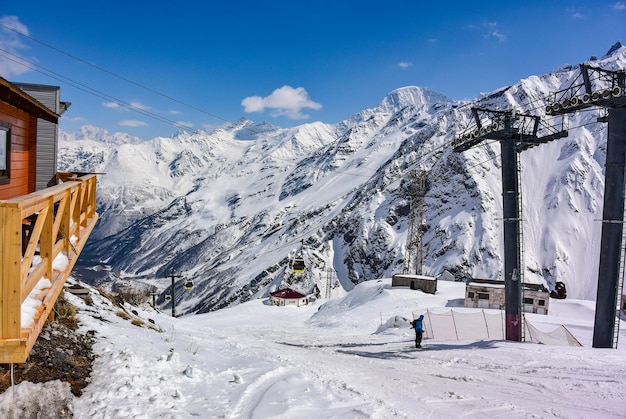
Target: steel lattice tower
x,y
414,258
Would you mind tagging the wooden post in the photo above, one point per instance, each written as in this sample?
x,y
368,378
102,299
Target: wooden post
x,y
46,243
10,271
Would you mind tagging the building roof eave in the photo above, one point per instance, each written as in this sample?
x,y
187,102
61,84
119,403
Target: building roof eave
x,y
21,100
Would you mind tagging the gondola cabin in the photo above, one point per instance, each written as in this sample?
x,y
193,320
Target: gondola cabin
x,y
297,265
189,285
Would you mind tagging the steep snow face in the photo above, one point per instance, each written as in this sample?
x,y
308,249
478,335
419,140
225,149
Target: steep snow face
x,y
231,207
416,97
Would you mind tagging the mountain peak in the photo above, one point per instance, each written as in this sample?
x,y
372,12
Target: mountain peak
x,y
417,97
90,132
616,46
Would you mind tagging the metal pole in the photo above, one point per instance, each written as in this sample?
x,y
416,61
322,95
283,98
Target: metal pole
x,y
173,276
173,296
510,206
612,228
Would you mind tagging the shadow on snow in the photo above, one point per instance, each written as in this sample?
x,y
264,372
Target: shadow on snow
x,y
404,353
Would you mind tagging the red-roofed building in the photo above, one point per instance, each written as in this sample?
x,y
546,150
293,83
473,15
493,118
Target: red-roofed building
x,y
287,296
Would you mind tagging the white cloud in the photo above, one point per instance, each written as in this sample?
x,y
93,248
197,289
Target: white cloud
x,y
498,35
619,6
135,104
575,14
285,101
493,32
12,64
75,119
404,64
489,31
133,123
184,124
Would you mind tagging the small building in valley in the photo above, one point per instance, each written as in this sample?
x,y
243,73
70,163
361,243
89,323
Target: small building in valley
x,y
288,297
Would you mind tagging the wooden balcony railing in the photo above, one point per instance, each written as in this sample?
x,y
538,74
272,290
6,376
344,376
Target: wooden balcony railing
x,y
41,236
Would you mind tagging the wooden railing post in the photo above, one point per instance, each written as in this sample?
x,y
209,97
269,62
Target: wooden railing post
x,y
65,219
10,278
47,240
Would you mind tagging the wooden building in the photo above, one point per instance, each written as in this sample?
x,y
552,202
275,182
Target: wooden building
x,y
45,217
485,293
47,132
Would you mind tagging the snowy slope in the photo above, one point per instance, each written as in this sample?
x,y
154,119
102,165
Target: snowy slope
x,y
229,207
351,357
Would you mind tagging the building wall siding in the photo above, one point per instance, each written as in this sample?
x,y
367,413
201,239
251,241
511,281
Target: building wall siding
x,y
47,134
22,152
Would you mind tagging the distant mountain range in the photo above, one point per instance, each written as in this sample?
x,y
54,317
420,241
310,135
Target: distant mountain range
x,y
230,208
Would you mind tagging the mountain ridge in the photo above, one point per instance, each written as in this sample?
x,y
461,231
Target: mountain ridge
x,y
231,207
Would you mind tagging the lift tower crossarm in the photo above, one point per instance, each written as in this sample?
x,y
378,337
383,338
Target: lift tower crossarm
x,y
598,87
522,129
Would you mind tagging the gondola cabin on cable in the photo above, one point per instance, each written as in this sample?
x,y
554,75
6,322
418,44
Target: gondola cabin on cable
x,y
297,265
189,285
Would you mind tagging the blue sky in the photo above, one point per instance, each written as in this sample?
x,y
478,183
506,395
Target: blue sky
x,y
199,64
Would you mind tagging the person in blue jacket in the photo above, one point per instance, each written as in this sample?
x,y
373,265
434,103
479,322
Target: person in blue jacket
x,y
418,325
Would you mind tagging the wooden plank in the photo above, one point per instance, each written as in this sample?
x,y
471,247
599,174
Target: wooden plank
x,y
32,279
35,234
13,351
46,241
11,269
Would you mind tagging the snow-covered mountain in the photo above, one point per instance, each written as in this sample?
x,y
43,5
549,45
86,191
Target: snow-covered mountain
x,y
229,208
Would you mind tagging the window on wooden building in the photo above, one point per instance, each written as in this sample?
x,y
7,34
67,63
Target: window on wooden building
x,y
5,152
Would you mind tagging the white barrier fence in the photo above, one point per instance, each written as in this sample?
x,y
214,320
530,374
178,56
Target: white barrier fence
x,y
482,325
